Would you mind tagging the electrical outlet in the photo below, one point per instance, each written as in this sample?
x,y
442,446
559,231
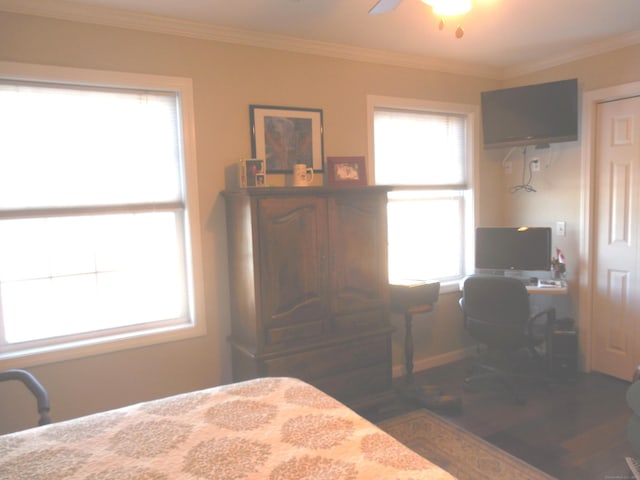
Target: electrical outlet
x,y
535,165
507,168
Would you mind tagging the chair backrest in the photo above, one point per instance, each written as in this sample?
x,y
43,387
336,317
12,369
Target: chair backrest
x,y
35,387
496,308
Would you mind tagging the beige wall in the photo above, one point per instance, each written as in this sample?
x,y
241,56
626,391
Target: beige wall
x,y
226,80
558,183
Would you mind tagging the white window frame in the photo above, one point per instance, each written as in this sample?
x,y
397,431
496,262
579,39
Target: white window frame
x,y
472,115
144,336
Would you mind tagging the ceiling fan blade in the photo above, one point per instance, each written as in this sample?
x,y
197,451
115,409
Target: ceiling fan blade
x,y
384,6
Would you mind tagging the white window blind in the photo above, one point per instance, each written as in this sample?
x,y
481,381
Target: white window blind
x,y
65,146
419,148
94,230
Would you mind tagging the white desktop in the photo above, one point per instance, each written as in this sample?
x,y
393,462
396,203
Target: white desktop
x,y
548,287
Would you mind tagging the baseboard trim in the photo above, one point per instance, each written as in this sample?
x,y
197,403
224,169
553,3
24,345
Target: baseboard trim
x,y
435,361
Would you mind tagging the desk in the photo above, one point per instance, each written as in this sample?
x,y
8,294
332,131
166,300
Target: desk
x,y
538,290
542,297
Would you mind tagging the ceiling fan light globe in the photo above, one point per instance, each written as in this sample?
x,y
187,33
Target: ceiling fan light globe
x,y
449,7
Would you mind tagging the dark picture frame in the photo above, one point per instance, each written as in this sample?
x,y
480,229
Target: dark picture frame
x,y
285,136
347,171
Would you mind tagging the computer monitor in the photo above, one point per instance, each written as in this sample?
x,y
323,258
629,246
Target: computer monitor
x,y
513,248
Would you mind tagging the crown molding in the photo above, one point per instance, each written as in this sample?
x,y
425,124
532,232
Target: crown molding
x,y
597,48
63,10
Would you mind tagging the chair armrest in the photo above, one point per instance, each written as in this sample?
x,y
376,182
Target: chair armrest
x,y
35,387
550,318
464,315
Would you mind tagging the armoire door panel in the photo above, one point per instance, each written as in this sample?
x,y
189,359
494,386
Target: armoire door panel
x,y
293,241
358,250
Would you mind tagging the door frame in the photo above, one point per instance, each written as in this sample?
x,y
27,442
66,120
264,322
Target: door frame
x,y
586,279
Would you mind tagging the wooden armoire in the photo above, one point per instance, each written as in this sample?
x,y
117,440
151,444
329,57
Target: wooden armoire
x,y
309,288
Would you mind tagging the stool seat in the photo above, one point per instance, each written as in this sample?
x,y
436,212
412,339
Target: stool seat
x,y
409,294
427,307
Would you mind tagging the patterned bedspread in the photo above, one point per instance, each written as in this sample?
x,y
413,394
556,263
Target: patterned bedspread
x,y
269,428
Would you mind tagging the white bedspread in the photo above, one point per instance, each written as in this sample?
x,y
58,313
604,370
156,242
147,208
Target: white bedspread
x,y
270,428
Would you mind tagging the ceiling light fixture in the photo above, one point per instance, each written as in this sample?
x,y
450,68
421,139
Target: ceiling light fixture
x,y
446,8
443,8
449,7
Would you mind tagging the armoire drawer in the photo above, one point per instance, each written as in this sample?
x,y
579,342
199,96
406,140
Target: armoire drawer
x,y
361,321
326,361
353,384
290,333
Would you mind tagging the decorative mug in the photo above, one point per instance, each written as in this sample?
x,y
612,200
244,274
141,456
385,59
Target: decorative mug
x,y
302,175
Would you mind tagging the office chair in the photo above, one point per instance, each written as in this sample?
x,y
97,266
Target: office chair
x,y
35,387
496,314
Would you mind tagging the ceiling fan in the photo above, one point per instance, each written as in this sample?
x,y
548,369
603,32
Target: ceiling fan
x,y
442,8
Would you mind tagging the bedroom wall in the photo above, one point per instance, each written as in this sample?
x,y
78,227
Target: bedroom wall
x,y
558,195
226,79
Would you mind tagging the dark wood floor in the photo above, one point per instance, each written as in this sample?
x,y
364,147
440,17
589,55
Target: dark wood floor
x,y
573,431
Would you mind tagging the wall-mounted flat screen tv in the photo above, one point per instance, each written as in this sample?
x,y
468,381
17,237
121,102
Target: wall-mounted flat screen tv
x,y
513,248
530,115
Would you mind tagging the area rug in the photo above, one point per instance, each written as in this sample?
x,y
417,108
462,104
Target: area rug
x,y
459,452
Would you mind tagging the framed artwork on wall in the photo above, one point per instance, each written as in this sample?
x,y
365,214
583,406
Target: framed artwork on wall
x,y
286,136
346,171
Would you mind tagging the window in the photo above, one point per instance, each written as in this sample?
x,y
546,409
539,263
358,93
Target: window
x,y
425,150
98,214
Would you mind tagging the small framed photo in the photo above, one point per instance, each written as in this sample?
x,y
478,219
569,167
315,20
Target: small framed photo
x,y
346,171
252,173
287,136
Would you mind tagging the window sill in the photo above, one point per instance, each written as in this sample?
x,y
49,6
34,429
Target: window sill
x,y
98,346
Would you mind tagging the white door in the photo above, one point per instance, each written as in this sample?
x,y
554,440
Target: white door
x,y
616,296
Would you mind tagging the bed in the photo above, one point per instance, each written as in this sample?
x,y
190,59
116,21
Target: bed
x,y
268,428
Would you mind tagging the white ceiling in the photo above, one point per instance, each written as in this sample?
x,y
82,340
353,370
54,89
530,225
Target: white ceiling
x,y
503,35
